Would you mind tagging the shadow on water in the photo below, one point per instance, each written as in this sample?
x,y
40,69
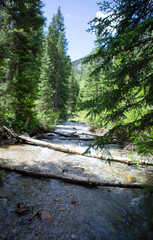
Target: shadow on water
x,y
47,160
77,212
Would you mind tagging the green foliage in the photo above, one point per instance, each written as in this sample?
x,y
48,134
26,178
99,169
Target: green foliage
x,y
6,110
23,36
57,51
124,56
34,69
79,70
48,119
73,93
44,103
147,188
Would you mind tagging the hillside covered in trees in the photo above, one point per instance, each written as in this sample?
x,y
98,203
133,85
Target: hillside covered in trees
x,y
39,85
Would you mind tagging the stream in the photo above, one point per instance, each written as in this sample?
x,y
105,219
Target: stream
x,y
73,211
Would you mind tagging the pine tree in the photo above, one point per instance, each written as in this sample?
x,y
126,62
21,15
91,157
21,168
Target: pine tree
x,y
6,111
124,54
57,50
25,40
45,100
74,91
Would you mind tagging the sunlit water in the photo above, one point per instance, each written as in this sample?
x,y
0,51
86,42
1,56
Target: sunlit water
x,y
77,212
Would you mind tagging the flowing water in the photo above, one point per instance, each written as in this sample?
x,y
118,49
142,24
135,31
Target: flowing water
x,y
76,212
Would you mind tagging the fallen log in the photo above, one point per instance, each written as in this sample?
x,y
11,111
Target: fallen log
x,y
72,178
58,147
74,137
75,134
79,139
68,138
64,135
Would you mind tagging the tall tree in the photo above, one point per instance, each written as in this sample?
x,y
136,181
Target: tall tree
x,y
6,110
24,40
44,104
57,50
74,91
125,54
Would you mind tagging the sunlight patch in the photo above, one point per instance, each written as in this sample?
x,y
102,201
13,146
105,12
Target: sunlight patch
x,y
100,14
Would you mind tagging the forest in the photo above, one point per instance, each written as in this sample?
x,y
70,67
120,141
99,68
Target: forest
x,y
111,88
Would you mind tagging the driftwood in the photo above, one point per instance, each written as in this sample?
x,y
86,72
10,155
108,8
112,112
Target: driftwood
x,y
67,150
82,139
64,135
68,138
79,139
75,134
71,178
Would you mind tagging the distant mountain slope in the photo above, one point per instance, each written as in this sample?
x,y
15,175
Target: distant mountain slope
x,y
79,69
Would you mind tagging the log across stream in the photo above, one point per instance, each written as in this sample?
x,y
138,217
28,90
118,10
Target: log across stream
x,y
57,147
71,176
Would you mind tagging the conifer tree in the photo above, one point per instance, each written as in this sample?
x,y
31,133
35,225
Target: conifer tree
x,y
124,53
24,40
45,100
74,91
57,50
6,110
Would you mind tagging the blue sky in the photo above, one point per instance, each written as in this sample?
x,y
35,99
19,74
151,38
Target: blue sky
x,y
77,14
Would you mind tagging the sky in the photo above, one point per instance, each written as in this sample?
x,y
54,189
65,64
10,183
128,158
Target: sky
x,y
77,14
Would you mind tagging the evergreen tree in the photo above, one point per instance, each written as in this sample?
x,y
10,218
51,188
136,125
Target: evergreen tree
x,y
74,91
45,100
6,110
93,84
124,54
24,40
57,50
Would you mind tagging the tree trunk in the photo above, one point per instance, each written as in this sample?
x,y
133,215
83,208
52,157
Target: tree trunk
x,y
75,134
71,151
71,178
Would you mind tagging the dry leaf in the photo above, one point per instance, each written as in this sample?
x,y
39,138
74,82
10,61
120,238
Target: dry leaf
x,y
22,210
33,215
45,216
61,209
74,202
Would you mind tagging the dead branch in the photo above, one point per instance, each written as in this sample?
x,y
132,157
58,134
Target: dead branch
x,y
26,123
